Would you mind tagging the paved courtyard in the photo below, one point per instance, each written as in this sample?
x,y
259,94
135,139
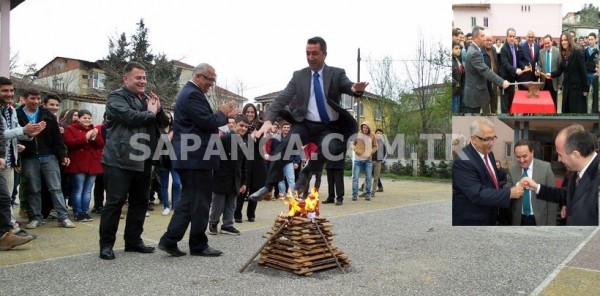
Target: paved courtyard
x,y
400,243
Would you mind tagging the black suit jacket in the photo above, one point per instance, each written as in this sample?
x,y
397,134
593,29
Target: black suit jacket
x,y
525,59
475,199
507,71
581,200
195,118
231,174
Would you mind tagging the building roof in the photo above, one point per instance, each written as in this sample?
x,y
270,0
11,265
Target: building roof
x,y
84,63
223,92
21,84
181,64
471,5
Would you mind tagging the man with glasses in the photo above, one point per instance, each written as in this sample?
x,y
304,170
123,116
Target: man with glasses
x,y
476,193
529,58
195,124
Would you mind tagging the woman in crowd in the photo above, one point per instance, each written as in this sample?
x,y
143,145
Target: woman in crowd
x,y
164,169
84,147
256,168
575,82
69,117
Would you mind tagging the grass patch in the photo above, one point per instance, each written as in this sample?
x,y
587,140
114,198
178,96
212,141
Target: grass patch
x,y
403,178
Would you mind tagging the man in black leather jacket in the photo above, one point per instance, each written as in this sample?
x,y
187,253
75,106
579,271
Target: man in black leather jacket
x,y
133,120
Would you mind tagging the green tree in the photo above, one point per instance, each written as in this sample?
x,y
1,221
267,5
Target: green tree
x,y
589,15
163,79
140,44
161,74
113,63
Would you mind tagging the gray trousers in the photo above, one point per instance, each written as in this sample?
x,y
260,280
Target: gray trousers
x,y
33,169
9,176
222,204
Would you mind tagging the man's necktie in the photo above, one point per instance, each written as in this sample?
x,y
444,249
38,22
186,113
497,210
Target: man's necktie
x,y
548,62
489,168
514,55
531,52
320,99
526,198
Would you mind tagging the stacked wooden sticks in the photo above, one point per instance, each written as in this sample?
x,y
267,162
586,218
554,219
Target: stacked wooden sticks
x,y
302,246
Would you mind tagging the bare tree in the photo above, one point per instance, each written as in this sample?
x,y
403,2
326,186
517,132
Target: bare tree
x,y
13,63
30,71
60,81
425,74
385,83
240,86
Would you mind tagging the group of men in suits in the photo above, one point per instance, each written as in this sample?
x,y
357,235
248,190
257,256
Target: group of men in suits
x,y
529,192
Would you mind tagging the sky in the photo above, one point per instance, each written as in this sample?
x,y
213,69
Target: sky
x,y
259,43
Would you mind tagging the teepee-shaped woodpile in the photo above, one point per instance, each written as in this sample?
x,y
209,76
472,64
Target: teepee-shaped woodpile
x,y
302,246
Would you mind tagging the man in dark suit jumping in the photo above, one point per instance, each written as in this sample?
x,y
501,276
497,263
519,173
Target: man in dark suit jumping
x,y
476,192
311,103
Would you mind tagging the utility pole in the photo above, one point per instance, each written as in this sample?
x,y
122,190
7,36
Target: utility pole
x,y
358,80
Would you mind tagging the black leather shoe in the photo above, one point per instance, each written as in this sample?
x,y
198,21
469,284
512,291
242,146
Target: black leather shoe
x,y
140,248
258,195
250,219
238,221
328,201
302,183
338,203
107,253
174,251
208,252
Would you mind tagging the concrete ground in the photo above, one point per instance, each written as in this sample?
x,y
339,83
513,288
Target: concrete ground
x,y
400,243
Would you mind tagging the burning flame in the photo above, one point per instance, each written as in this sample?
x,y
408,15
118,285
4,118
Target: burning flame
x,y
312,200
303,208
294,206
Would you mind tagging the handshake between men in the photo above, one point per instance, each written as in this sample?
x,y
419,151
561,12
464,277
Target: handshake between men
x,y
528,183
517,191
